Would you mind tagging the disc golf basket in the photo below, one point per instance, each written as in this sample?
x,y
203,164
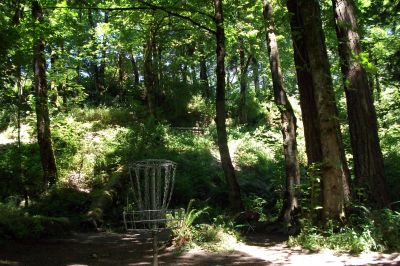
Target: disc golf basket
x,y
151,186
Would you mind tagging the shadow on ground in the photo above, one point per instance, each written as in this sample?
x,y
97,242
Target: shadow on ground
x,y
123,249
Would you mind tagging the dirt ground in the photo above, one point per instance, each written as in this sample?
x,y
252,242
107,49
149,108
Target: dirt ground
x,y
123,249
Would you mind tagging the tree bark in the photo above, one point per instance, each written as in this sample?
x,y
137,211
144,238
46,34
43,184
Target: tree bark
x,y
233,186
121,74
203,75
333,167
256,76
307,103
135,71
288,123
149,74
306,88
243,84
42,113
101,86
363,125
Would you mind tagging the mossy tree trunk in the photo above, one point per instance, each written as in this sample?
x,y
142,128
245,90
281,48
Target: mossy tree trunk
x,y
288,123
42,112
332,165
363,125
233,186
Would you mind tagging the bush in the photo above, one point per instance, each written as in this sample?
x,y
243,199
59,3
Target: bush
x,y
62,202
220,235
367,230
15,223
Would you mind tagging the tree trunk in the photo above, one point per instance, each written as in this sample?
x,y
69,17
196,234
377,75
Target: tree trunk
x,y
307,103
233,186
43,121
149,74
363,125
160,71
53,81
17,13
333,167
243,84
135,71
306,88
256,76
288,123
94,66
101,86
203,75
121,74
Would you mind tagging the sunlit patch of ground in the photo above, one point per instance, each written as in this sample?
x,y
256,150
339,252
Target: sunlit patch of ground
x,y
123,249
10,135
279,254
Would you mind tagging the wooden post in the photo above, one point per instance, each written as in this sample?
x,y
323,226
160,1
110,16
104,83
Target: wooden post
x,y
155,249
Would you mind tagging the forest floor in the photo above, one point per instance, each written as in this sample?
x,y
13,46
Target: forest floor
x,y
123,249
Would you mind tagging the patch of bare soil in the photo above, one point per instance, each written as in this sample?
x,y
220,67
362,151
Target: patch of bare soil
x,y
124,249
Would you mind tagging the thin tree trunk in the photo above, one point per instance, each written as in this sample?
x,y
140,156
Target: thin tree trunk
x,y
233,186
160,71
363,125
203,74
332,167
288,123
43,121
149,74
53,86
243,84
121,73
94,66
16,22
256,76
135,71
17,13
101,86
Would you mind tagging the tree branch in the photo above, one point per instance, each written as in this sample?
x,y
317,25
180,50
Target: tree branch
x,y
148,6
155,7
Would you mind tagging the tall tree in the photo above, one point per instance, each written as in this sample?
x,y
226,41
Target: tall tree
x,y
135,70
256,75
243,83
42,113
368,159
229,171
306,87
288,122
203,74
332,165
149,72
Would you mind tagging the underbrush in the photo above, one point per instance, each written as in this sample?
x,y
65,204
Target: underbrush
x,y
198,230
377,230
17,223
55,213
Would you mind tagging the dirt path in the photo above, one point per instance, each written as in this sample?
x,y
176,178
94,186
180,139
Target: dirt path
x,y
122,249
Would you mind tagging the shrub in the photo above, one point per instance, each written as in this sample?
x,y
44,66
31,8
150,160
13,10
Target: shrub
x,y
15,223
62,202
367,230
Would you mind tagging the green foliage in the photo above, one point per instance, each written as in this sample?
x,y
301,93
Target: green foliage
x,y
103,116
256,204
16,223
20,170
366,230
62,202
220,235
184,234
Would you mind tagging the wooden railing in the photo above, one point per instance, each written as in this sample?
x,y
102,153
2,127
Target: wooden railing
x,y
193,130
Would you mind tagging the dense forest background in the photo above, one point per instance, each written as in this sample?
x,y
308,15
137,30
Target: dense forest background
x,y
277,112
